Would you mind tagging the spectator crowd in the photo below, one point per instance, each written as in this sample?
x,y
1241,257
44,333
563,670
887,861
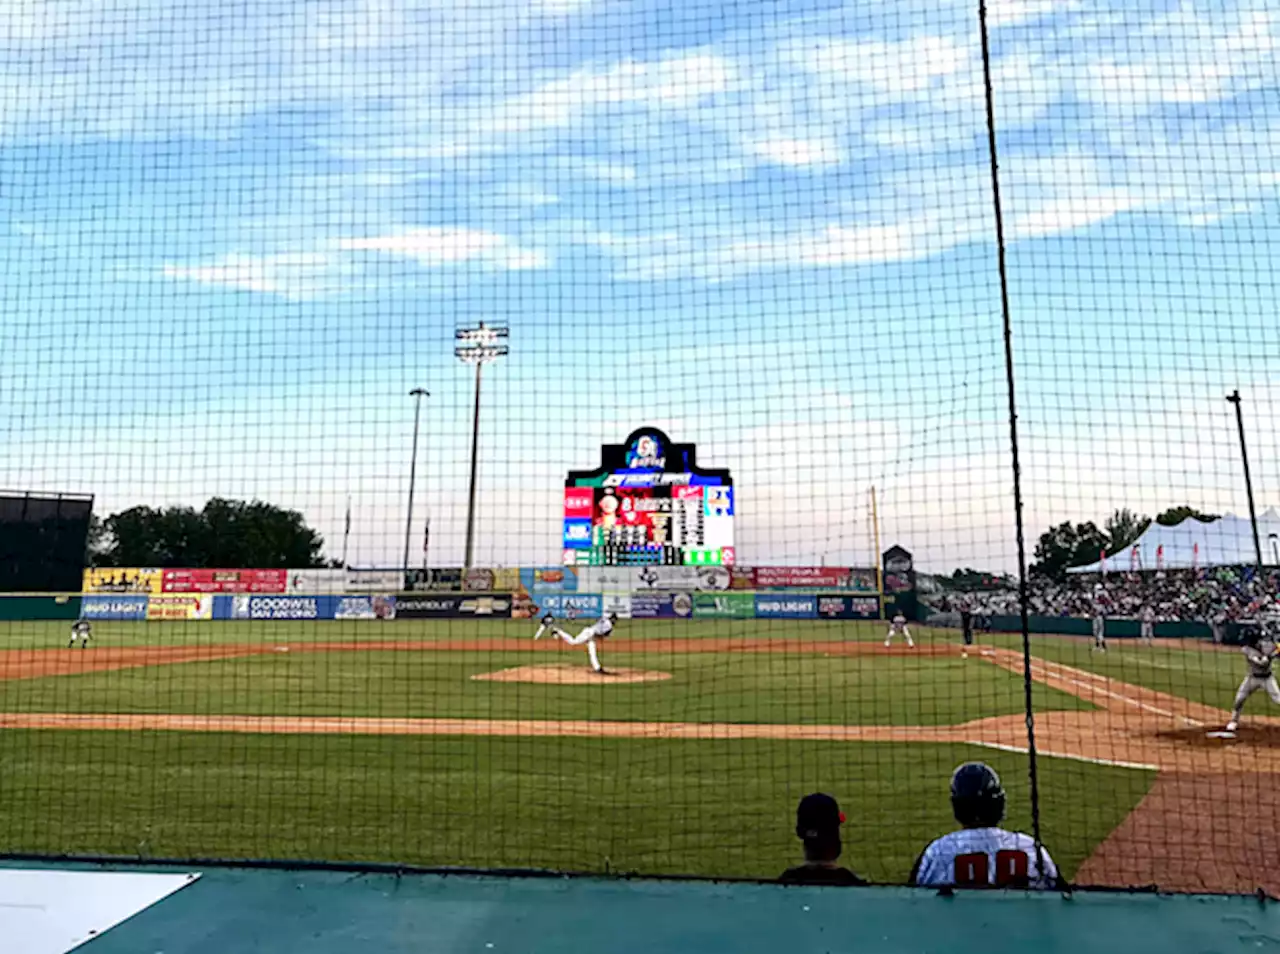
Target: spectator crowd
x,y
1228,594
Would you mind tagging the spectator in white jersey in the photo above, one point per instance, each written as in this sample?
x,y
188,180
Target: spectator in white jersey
x,y
982,854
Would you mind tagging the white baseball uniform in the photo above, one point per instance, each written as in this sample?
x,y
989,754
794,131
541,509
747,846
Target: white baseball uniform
x,y
597,630
898,627
1148,625
984,857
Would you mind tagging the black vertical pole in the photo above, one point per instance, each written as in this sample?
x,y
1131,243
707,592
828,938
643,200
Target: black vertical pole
x,y
1007,322
417,394
475,458
1234,398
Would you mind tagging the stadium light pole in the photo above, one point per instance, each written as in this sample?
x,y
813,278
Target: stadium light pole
x,y
478,346
1234,398
417,394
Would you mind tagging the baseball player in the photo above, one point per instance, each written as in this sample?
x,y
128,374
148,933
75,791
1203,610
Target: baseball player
x,y
600,629
1260,650
82,631
1148,625
1100,604
898,627
982,854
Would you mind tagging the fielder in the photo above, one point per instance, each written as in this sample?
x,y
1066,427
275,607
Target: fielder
x,y
1259,651
82,631
1148,626
898,627
600,629
1100,603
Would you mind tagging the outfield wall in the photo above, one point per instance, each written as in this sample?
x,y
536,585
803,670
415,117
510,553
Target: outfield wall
x,y
461,605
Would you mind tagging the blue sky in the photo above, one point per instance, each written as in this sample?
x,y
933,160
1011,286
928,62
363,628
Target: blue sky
x,y
236,235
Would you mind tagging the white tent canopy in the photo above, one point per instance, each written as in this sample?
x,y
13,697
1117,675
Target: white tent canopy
x,y
1227,541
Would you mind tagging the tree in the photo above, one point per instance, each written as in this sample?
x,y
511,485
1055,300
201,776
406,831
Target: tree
x,y
226,533
1123,527
1067,545
1175,515
97,543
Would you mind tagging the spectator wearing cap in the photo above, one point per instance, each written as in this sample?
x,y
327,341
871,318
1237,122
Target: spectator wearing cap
x,y
818,821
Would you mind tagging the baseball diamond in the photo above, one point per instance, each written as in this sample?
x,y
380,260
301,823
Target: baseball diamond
x,y
412,732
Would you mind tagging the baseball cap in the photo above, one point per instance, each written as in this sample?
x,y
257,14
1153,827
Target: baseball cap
x,y
818,815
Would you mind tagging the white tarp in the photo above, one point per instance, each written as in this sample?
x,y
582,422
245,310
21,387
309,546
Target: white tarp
x,y
1224,542
53,912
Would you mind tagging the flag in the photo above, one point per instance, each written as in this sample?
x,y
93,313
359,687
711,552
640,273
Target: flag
x,y
1195,556
1160,557
1135,558
426,536
1104,562
347,526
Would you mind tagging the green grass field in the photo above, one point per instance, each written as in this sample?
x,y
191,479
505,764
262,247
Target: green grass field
x,y
655,806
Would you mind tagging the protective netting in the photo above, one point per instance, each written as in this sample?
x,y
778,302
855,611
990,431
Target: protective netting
x,y
378,332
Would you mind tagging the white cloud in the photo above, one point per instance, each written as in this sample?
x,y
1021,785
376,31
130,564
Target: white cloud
x,y
439,247
798,152
1006,13
297,276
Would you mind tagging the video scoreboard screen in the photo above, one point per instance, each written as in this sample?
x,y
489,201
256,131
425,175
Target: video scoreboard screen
x,y
649,503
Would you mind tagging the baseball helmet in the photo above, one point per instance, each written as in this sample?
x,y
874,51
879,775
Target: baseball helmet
x,y
611,616
977,797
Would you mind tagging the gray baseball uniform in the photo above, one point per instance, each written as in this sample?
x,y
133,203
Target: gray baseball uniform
x,y
1260,676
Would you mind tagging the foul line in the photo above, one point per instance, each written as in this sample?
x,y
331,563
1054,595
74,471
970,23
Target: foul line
x,y
1022,750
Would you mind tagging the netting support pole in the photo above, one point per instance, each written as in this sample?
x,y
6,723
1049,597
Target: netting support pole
x,y
1234,398
1020,527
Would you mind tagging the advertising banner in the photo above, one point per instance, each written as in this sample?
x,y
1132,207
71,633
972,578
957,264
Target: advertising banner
x,y
190,606
283,607
316,582
724,605
802,577
742,578
485,606
365,607
848,607
122,580
224,581
442,579
551,579
427,607
862,580
506,579
616,603
114,607
786,606
668,578
375,581
503,580
571,605
661,605
609,579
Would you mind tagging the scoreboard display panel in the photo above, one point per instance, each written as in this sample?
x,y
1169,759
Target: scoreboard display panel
x,y
649,503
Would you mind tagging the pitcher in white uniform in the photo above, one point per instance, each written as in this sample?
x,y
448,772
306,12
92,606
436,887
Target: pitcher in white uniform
x,y
598,630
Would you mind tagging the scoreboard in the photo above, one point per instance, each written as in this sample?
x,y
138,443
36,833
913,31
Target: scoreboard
x,y
649,503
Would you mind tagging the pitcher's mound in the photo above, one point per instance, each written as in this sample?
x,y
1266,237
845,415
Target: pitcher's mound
x,y
565,674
